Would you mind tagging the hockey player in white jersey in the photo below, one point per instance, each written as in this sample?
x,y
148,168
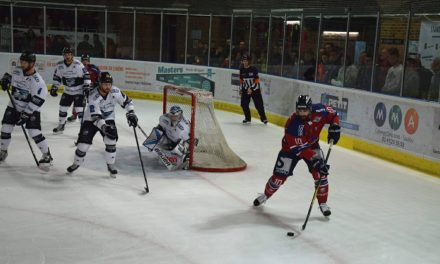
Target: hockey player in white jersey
x,y
170,139
100,116
29,93
72,74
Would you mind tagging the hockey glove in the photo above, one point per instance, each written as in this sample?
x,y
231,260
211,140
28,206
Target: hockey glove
x,y
109,131
334,132
319,165
87,90
132,118
6,81
24,117
53,90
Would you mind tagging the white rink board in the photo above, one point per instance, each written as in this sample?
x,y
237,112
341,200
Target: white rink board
x,y
409,125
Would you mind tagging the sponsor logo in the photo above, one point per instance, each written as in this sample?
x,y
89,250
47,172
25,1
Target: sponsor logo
x,y
395,119
337,103
171,70
411,121
380,114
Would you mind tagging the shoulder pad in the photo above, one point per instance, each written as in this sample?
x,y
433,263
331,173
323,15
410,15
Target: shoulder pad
x,y
77,62
164,119
318,107
60,62
17,71
36,77
115,90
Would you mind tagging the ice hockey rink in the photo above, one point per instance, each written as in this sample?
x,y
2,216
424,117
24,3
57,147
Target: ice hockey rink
x,y
381,212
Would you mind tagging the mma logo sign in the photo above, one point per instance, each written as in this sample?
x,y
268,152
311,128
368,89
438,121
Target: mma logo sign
x,y
380,114
411,121
395,119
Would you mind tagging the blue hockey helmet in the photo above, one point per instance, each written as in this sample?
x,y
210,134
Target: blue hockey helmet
x,y
176,110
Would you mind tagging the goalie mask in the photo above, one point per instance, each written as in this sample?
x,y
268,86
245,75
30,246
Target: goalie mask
x,y
175,113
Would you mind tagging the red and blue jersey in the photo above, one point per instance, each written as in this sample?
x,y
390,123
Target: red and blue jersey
x,y
94,74
301,136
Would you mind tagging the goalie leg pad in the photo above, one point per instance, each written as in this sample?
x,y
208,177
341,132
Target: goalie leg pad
x,y
153,139
164,159
180,149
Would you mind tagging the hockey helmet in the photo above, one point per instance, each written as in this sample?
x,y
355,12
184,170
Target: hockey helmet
x,y
175,110
304,102
67,50
85,57
105,77
28,56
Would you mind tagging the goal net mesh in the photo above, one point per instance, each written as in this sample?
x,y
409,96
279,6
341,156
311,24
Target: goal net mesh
x,y
209,150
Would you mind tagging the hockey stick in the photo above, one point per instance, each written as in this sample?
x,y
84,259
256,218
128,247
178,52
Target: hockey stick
x,y
317,186
147,190
24,130
159,153
82,119
143,132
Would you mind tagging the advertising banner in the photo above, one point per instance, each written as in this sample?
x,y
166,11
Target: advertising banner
x,y
403,124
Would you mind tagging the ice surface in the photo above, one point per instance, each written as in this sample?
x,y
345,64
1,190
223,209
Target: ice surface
x,y
382,213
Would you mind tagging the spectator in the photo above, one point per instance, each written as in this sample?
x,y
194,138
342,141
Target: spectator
x,y
363,80
434,88
382,69
99,48
425,80
39,43
393,79
350,75
412,79
307,67
332,68
84,46
30,40
241,51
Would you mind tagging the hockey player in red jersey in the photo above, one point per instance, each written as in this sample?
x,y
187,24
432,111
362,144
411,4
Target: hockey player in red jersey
x,y
301,142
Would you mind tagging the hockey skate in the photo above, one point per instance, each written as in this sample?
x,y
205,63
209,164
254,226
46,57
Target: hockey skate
x,y
325,209
260,200
264,121
45,161
246,122
72,118
58,130
3,155
112,170
72,168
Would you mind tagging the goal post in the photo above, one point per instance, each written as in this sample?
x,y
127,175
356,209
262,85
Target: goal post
x,y
208,148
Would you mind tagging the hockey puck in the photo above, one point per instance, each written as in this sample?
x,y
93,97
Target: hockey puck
x,y
291,234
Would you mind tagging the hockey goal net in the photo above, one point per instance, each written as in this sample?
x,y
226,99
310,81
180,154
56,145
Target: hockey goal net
x,y
211,153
